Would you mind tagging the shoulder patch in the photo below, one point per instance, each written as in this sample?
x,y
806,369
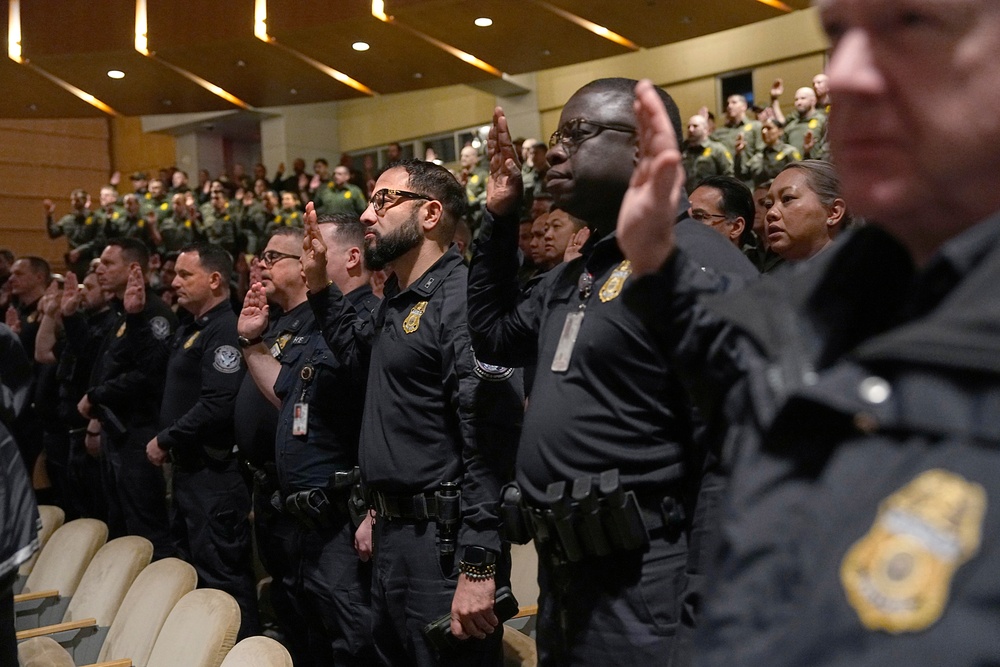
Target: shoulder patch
x,y
160,327
897,577
490,372
707,151
227,359
347,194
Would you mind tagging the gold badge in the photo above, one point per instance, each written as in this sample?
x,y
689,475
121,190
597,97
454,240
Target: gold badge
x,y
412,321
616,281
121,331
707,152
813,124
897,576
190,341
780,156
347,194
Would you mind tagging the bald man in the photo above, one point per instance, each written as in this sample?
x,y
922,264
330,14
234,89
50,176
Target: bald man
x,y
703,157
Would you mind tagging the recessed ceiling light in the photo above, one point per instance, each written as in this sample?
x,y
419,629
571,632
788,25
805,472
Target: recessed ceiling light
x,y
166,103
418,75
293,91
484,22
241,63
116,74
360,46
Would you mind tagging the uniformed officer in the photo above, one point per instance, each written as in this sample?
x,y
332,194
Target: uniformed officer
x,y
607,462
321,402
763,165
131,224
439,426
805,128
157,202
182,228
737,124
338,195
702,156
473,177
861,524
289,215
123,397
217,225
211,502
82,229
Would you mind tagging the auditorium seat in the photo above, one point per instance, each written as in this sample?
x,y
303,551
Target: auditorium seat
x,y
52,518
57,573
258,652
98,598
148,603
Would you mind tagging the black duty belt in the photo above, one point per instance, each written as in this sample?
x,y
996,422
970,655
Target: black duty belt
x,y
421,507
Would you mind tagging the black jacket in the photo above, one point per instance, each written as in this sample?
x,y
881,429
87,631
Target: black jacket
x,y
854,395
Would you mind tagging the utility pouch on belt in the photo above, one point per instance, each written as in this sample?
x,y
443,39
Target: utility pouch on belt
x,y
589,525
515,526
560,516
346,484
622,518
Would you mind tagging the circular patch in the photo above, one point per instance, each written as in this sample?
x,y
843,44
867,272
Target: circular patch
x,y
227,359
160,327
489,371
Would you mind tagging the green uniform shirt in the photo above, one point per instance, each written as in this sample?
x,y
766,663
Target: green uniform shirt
x,y
750,129
796,128
219,228
178,233
283,218
765,164
709,158
159,206
331,198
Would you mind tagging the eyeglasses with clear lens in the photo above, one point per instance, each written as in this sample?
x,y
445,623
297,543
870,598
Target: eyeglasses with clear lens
x,y
271,257
575,131
379,198
704,216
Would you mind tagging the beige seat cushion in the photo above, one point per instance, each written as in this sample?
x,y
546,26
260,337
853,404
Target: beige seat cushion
x,y
524,574
145,608
42,652
258,652
65,558
108,578
518,649
199,632
52,518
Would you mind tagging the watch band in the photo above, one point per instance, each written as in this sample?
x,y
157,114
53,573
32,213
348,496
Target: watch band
x,y
249,342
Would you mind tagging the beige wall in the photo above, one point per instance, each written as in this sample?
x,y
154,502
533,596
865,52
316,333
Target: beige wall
x,y
47,159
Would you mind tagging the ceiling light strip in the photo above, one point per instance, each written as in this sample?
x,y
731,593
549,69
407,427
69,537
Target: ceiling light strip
x,y
260,32
777,4
15,54
598,30
378,11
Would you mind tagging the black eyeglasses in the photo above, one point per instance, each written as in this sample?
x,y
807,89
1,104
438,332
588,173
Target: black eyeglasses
x,y
704,216
575,131
271,257
379,198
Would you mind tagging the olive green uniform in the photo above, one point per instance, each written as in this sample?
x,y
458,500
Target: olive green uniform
x,y
220,229
283,218
84,231
709,158
728,133
331,198
796,127
177,233
765,164
159,206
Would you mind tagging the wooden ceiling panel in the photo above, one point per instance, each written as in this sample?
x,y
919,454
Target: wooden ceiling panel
x,y
56,27
148,86
526,40
27,94
397,60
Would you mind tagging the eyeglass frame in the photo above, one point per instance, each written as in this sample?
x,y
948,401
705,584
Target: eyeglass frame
x,y
705,215
559,136
389,192
271,257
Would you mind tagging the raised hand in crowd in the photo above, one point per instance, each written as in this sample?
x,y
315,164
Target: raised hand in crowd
x,y
115,179
50,302
808,143
314,183
777,89
504,186
741,143
313,252
135,292
12,319
49,206
649,209
72,297
253,318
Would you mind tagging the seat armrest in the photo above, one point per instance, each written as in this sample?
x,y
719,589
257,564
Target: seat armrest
x,y
127,662
58,627
529,610
37,595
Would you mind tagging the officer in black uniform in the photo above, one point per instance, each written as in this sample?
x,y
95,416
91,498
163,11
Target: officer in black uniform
x,y
321,404
437,440
607,464
211,502
123,398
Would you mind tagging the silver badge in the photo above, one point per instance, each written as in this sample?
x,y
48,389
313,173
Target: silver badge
x,y
160,327
489,371
227,359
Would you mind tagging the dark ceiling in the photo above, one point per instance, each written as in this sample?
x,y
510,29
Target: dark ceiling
x,y
79,42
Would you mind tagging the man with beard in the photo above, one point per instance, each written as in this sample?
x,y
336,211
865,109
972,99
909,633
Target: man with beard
x,y
122,402
860,526
439,426
83,230
607,464
314,454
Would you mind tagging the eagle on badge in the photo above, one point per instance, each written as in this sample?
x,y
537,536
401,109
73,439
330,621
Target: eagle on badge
x,y
227,359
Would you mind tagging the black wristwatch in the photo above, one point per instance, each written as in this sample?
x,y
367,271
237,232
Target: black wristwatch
x,y
249,342
478,563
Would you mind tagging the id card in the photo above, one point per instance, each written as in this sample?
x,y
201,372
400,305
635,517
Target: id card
x,y
564,350
300,419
